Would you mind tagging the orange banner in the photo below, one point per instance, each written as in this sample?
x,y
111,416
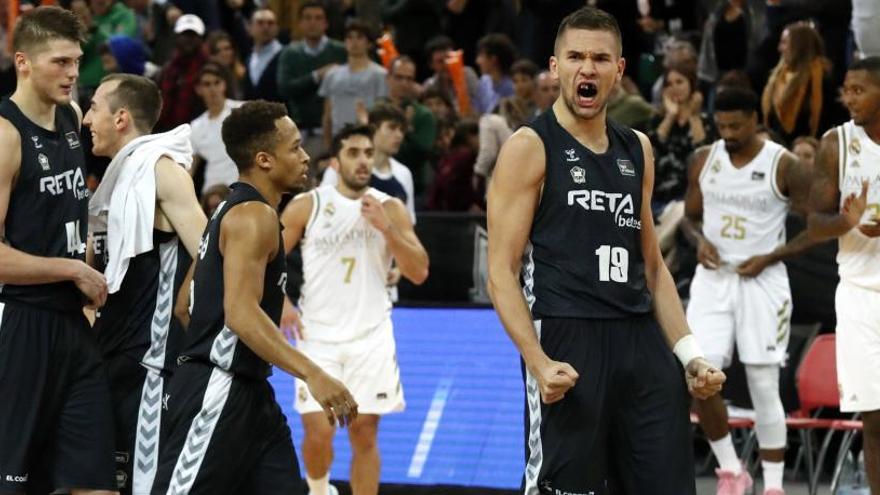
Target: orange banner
x,y
387,51
455,65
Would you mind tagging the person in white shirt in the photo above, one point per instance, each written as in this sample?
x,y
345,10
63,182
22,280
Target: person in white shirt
x,y
350,235
206,140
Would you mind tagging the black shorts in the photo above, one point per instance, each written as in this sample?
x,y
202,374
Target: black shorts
x,y
137,394
56,430
624,428
224,434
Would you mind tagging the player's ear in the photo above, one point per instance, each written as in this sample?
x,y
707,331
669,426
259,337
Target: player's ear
x,y
263,160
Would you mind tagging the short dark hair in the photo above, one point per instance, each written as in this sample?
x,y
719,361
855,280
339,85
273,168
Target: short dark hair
x,y
592,19
736,99
871,65
358,25
385,112
348,131
38,26
499,46
250,129
435,92
401,59
438,43
139,95
214,69
311,4
526,67
463,131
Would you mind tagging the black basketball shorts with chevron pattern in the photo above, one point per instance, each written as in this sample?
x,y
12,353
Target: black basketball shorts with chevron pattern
x,y
56,429
624,428
224,434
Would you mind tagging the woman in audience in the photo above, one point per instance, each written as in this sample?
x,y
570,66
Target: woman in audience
x,y
222,51
806,148
792,99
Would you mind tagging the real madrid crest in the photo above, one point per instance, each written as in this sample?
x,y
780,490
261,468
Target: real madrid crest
x,y
855,147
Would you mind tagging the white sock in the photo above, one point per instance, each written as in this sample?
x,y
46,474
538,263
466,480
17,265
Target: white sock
x,y
772,474
320,486
726,455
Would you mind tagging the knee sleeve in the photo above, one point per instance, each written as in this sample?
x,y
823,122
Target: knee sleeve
x,y
763,383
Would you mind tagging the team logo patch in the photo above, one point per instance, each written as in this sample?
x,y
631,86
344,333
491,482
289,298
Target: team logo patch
x,y
716,167
578,175
72,140
302,395
36,140
329,210
626,168
571,156
121,457
757,175
381,396
855,147
44,161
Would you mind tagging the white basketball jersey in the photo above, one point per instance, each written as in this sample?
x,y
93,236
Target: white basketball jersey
x,y
859,255
743,209
345,268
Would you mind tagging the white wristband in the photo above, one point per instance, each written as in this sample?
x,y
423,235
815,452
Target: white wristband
x,y
686,349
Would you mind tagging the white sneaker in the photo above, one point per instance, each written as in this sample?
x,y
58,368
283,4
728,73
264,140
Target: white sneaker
x,y
331,490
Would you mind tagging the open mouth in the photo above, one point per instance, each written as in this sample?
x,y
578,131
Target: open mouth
x,y
586,93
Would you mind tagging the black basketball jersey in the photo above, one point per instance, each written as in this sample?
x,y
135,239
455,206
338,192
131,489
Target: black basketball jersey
x,y
48,207
208,339
137,320
584,256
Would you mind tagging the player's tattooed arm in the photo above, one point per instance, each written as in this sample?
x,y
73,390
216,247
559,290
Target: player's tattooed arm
x,y
827,219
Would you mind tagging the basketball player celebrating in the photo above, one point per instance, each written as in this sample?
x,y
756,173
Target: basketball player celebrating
x,y
224,432
570,212
736,203
350,233
845,199
136,333
57,429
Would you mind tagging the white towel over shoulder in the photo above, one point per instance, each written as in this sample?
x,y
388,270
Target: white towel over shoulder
x,y
125,201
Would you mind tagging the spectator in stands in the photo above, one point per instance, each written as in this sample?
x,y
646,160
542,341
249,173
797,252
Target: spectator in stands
x,y
261,79
415,22
521,107
680,128
806,147
467,20
495,55
437,49
389,175
866,26
494,131
548,90
208,12
629,108
178,81
302,67
452,189
439,104
212,198
128,55
675,53
792,100
104,18
420,126
222,51
730,35
354,86
212,164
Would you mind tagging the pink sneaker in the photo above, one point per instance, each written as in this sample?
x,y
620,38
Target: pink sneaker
x,y
733,484
774,491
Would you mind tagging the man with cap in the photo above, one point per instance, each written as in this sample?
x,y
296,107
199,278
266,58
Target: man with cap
x,y
179,76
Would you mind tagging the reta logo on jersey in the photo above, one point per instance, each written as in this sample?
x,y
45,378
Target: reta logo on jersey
x,y
617,203
71,180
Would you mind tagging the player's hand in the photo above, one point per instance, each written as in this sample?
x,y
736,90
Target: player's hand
x,y
703,379
339,406
555,378
91,283
871,229
707,255
374,212
291,323
753,266
854,206
393,277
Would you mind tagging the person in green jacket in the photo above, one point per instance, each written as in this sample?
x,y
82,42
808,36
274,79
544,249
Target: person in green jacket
x,y
104,19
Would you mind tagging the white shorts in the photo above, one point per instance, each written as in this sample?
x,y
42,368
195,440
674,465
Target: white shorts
x,y
858,348
753,313
367,366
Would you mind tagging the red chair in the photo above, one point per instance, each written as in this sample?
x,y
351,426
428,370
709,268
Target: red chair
x,y
818,389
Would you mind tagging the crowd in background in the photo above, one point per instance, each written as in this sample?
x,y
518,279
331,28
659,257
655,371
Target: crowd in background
x,y
459,76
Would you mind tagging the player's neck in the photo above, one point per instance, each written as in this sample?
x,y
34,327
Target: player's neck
x,y
123,141
349,192
872,129
381,161
35,108
747,153
589,132
216,109
264,186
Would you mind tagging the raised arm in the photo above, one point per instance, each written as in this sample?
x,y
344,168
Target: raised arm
x,y
248,241
514,195
20,268
176,198
392,219
703,380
